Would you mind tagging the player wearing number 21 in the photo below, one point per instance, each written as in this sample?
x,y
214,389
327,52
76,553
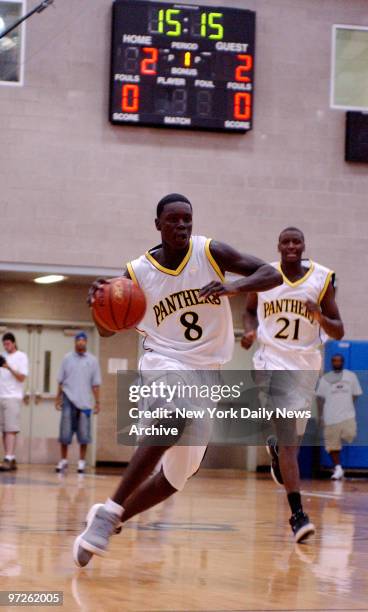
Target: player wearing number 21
x,y
187,326
287,321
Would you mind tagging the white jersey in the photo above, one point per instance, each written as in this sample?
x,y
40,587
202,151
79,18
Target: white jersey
x,y
178,324
287,334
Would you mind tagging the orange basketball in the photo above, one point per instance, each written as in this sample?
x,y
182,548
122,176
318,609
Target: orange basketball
x,y
118,305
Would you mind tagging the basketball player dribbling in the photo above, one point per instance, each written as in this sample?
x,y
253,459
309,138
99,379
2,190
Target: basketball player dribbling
x,y
186,329
288,321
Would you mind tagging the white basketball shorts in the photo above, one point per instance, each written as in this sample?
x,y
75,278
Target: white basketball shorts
x,y
294,376
179,462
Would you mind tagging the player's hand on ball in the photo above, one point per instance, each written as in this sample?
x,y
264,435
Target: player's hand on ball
x,y
248,339
98,284
314,309
215,288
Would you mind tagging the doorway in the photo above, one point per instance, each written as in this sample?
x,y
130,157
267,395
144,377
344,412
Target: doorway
x,y
45,344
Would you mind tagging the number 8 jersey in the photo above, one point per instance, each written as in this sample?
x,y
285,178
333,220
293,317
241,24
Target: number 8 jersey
x,y
288,336
178,323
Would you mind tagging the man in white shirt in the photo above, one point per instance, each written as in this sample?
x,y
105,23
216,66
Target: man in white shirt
x,y
13,372
337,392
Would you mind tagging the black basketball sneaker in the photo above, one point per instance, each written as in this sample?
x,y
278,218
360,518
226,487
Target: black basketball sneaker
x,y
272,449
301,526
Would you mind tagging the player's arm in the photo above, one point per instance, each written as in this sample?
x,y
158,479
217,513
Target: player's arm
x,y
327,314
250,320
259,276
17,375
59,397
96,395
98,284
357,390
320,405
320,397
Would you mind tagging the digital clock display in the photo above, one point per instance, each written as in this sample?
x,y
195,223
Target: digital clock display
x,y
182,66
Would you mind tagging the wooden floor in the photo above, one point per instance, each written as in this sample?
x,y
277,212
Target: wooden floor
x,y
222,544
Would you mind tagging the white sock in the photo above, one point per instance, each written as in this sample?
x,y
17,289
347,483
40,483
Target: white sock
x,y
63,461
81,462
9,457
113,507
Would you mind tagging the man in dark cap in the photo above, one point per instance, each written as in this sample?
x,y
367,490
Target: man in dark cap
x,y
78,379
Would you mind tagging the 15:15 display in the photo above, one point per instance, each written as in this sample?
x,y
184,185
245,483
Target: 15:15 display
x,y
202,25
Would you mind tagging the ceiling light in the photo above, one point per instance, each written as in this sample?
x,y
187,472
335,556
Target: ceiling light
x,y
50,278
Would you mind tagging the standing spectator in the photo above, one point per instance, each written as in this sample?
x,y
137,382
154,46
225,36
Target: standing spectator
x,y
79,377
337,392
13,372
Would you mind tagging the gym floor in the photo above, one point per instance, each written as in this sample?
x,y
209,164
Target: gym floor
x,y
222,544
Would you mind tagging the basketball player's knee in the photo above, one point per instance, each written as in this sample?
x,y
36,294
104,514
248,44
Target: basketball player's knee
x,y
164,484
180,463
173,480
179,424
174,424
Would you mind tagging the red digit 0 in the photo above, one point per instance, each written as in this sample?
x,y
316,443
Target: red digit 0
x,y
130,98
149,64
245,66
242,106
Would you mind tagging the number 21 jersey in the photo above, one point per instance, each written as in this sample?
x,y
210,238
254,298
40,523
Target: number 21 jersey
x,y
285,325
178,323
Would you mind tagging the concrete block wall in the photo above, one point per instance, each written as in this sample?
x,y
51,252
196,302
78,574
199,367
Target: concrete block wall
x,y
76,190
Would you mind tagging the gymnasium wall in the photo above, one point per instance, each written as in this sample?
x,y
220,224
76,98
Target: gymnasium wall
x,y
76,190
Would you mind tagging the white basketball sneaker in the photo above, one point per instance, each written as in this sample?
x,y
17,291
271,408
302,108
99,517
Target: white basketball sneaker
x,y
94,539
338,473
62,466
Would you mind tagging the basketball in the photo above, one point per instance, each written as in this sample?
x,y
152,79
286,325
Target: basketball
x,y
119,304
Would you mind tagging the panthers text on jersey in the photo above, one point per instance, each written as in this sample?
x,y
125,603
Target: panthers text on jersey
x,y
286,329
178,323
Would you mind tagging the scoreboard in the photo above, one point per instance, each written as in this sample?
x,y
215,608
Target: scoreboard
x,y
182,66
